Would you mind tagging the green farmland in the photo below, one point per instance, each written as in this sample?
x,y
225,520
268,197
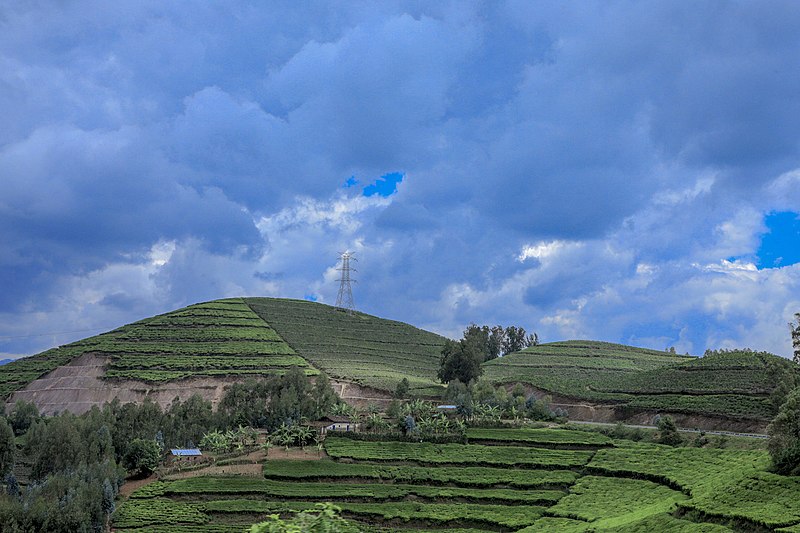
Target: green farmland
x,y
366,349
733,385
223,337
542,483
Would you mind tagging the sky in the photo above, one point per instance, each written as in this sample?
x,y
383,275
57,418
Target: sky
x,y
619,171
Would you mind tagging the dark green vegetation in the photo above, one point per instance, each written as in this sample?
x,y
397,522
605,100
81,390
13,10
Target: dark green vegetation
x,y
540,484
366,349
461,360
736,384
68,464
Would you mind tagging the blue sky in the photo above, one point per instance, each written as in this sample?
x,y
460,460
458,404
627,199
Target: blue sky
x,y
622,171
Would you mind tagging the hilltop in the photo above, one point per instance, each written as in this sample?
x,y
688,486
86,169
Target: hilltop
x,y
633,383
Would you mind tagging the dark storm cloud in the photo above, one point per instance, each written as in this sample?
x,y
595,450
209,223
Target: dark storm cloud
x,y
129,126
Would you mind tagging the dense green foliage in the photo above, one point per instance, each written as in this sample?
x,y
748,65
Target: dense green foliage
x,y
285,398
461,360
784,436
358,347
143,456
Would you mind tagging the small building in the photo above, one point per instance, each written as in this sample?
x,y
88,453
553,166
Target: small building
x,y
335,423
447,410
184,456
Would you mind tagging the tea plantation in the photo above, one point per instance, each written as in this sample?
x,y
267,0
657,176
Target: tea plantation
x,y
359,347
735,385
550,480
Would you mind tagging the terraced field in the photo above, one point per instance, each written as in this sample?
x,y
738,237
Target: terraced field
x,y
366,349
734,385
223,337
542,483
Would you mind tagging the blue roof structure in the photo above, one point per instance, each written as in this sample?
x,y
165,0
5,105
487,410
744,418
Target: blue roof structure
x,y
185,452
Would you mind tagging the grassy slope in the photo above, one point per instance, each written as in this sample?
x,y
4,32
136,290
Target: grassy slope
x,y
359,347
736,384
222,337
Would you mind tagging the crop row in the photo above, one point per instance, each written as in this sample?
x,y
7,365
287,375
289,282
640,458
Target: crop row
x,y
161,511
695,471
441,513
657,523
721,404
343,491
459,476
425,453
602,499
540,436
763,498
156,376
193,334
131,361
187,348
576,383
692,379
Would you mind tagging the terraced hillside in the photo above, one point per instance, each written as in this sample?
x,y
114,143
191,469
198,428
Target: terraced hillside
x,y
529,480
206,346
366,349
735,385
223,337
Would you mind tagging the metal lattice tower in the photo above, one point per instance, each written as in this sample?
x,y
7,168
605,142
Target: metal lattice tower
x,y
344,300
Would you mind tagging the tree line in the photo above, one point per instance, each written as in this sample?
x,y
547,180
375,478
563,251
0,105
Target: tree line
x,y
78,463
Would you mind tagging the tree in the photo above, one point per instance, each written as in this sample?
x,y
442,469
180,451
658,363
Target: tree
x,y
143,456
108,505
784,436
516,339
324,397
460,360
668,431
8,448
22,416
794,327
402,389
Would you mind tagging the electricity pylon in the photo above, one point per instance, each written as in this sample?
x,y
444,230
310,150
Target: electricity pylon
x,y
344,300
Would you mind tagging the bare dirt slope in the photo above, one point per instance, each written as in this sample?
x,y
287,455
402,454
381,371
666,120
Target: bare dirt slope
x,y
77,386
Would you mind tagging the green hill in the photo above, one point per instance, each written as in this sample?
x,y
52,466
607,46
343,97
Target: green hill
x,y
253,336
369,350
733,384
223,337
